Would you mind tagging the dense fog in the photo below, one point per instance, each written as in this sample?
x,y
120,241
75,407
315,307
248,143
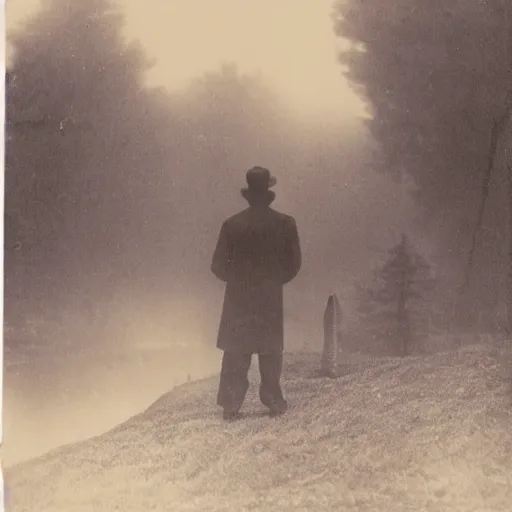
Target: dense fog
x,y
115,192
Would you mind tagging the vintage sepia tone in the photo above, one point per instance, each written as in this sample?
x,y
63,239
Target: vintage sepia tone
x,y
258,255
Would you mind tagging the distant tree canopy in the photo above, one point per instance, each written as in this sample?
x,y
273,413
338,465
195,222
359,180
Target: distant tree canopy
x,y
109,181
435,78
229,120
84,151
394,307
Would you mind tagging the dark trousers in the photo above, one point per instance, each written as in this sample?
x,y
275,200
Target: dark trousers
x,y
234,383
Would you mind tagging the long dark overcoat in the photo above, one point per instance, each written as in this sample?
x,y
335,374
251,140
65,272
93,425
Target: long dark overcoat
x,y
258,251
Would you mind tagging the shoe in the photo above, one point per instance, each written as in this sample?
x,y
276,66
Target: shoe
x,y
278,409
231,415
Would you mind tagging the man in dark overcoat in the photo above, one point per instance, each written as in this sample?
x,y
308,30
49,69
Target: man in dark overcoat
x,y
257,252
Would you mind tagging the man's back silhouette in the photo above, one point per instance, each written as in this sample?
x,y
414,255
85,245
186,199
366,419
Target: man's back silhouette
x,y
258,251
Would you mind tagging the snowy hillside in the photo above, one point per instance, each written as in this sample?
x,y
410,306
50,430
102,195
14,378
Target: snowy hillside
x,y
430,433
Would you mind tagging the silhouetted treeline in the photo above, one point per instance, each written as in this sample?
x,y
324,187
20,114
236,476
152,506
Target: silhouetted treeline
x,y
436,78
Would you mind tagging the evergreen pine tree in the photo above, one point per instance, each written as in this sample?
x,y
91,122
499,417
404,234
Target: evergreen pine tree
x,y
393,306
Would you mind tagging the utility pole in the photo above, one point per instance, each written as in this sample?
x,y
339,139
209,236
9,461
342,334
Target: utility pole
x,y
501,140
507,140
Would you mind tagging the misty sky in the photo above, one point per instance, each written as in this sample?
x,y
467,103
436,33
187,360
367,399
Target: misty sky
x,y
289,42
349,214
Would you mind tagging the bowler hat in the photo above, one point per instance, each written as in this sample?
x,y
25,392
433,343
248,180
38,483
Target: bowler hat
x,y
259,180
